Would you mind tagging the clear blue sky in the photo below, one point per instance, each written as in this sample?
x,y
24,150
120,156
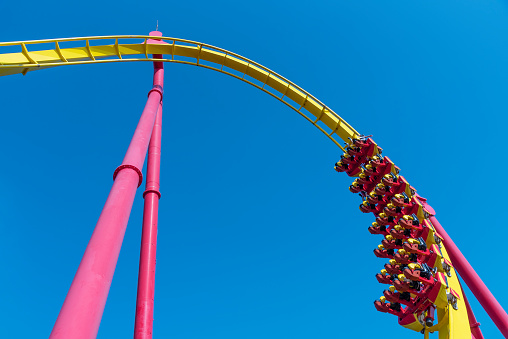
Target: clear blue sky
x,y
258,236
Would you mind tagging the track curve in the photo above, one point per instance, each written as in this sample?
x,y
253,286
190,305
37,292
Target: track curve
x,y
138,48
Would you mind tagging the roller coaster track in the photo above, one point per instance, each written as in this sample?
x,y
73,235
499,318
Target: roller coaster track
x,y
452,312
183,52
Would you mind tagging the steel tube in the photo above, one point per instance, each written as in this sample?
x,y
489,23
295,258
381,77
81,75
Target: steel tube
x,y
81,313
473,281
143,327
473,324
143,324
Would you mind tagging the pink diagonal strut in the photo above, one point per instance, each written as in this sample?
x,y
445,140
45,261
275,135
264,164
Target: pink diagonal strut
x,y
82,309
473,281
146,280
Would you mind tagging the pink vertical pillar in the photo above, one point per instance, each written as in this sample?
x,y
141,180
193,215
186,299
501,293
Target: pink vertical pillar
x,y
143,324
473,281
81,313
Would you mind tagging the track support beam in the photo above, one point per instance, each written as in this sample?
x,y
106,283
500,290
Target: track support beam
x,y
143,326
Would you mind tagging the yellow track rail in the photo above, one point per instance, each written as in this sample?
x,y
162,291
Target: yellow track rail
x,y
124,48
453,322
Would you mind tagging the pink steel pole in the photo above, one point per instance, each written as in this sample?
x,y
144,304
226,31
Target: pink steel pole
x,y
473,324
146,281
473,281
143,325
82,309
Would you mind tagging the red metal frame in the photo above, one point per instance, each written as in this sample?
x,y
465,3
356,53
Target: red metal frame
x,y
143,324
81,313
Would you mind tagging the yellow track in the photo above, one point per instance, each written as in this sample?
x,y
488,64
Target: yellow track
x,y
453,324
180,51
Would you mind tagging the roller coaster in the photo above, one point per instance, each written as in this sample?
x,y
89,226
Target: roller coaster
x,y
423,288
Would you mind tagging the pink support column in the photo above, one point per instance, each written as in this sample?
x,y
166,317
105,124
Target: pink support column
x,y
82,309
143,324
474,325
473,281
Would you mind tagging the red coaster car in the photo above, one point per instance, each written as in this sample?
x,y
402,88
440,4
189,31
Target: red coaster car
x,y
410,222
392,308
403,298
376,229
389,179
385,220
405,258
384,253
394,267
363,142
392,210
390,242
416,247
400,233
400,200
381,189
404,285
340,166
356,187
420,275
383,278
